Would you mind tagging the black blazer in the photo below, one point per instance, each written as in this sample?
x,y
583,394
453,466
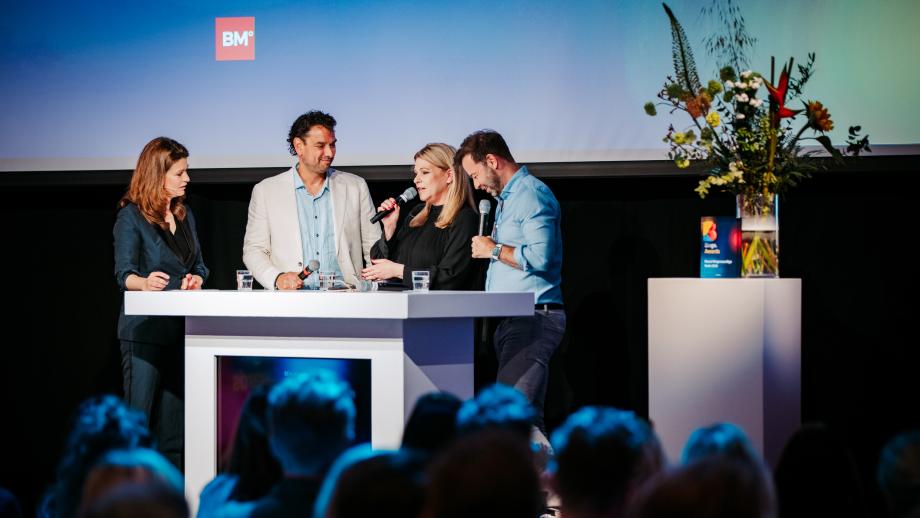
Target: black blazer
x,y
139,249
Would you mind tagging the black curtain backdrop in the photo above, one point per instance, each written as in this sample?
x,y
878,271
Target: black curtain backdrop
x,y
848,234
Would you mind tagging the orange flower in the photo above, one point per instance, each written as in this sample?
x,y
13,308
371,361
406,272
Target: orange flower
x,y
818,117
699,105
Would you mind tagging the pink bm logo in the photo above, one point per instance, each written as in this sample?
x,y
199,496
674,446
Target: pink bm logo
x,y
235,38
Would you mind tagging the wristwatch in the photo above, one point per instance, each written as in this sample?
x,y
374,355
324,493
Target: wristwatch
x,y
497,252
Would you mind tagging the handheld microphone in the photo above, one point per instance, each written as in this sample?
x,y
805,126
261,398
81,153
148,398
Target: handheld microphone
x,y
312,266
407,195
484,208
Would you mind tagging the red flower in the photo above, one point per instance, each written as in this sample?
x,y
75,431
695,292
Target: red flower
x,y
778,95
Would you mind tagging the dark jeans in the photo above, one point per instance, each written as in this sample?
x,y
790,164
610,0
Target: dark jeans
x,y
524,346
154,384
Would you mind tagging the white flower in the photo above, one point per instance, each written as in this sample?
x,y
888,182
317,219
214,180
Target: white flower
x,y
746,74
740,85
739,116
729,85
756,102
741,98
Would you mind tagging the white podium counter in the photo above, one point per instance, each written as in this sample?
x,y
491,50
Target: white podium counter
x,y
417,342
725,350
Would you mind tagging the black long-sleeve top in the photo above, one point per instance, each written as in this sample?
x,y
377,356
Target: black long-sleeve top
x,y
443,252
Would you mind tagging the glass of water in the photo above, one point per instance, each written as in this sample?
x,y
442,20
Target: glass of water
x,y
326,280
420,280
243,280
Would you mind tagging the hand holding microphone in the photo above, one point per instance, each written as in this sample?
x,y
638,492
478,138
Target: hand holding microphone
x,y
482,245
484,209
312,267
408,195
294,280
391,208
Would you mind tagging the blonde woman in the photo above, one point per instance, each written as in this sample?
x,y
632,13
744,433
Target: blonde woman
x,y
436,233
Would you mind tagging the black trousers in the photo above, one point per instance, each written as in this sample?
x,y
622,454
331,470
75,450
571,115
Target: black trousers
x,y
154,383
524,346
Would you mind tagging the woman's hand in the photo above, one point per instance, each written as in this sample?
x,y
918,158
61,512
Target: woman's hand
x,y
191,282
389,221
381,269
156,281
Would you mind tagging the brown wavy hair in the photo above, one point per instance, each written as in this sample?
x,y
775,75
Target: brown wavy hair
x,y
146,189
459,192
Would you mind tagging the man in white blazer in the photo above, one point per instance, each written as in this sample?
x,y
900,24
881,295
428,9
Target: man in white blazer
x,y
311,211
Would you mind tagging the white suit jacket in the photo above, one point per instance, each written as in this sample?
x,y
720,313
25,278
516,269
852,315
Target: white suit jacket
x,y
273,241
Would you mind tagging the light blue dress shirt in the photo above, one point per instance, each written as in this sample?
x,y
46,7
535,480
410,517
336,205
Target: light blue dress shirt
x,y
527,218
317,231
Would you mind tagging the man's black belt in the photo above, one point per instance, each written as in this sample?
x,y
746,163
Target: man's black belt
x,y
547,307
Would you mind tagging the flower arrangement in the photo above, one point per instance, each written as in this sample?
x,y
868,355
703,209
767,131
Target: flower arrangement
x,y
748,142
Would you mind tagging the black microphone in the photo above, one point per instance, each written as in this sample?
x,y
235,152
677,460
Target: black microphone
x,y
409,194
312,266
484,209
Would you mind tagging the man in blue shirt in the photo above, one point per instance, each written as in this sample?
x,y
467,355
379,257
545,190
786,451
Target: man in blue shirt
x,y
525,253
309,212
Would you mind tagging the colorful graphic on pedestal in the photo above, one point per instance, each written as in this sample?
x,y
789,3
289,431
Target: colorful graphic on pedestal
x,y
720,247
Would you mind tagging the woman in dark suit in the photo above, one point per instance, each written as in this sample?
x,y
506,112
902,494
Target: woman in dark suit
x,y
157,248
436,234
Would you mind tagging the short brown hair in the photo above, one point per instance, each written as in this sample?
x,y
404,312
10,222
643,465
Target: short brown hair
x,y
482,143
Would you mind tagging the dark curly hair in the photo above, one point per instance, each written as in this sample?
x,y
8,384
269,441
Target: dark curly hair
x,y
302,126
101,424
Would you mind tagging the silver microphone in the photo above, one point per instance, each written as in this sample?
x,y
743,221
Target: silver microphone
x,y
407,195
312,266
484,209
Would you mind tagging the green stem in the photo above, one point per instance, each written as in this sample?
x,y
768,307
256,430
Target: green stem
x,y
799,134
773,133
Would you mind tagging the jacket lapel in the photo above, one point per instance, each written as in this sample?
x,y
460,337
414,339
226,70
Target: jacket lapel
x,y
339,202
167,258
288,216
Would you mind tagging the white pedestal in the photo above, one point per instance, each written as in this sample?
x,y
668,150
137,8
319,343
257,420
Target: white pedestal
x,y
725,350
417,343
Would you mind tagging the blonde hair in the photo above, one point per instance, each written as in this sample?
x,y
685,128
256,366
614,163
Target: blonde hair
x,y
459,192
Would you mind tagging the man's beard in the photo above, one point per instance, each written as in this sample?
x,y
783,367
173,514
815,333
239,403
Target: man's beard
x,y
492,188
